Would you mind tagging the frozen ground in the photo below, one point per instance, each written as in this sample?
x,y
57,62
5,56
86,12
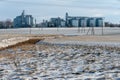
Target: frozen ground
x,y
61,62
64,31
12,41
81,42
62,57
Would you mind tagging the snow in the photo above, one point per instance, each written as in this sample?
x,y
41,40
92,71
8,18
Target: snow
x,y
63,31
85,43
62,60
12,41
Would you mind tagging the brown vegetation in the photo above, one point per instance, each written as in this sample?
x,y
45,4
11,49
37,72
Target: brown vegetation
x,y
27,42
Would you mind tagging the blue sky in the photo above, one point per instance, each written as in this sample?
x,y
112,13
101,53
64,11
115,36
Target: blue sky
x,y
45,9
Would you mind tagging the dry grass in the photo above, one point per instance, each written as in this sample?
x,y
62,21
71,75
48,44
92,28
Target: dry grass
x,y
27,42
91,38
13,56
24,47
27,45
32,39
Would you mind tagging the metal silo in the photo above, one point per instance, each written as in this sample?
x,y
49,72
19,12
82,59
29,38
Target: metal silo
x,y
92,22
75,23
83,22
99,22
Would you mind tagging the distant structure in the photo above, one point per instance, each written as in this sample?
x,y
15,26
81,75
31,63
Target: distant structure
x,y
6,24
23,21
72,21
57,22
54,22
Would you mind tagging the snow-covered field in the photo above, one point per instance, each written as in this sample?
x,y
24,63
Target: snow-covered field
x,y
64,31
61,62
62,57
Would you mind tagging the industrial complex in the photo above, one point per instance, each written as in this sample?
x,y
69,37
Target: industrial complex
x,y
69,21
74,21
84,21
23,21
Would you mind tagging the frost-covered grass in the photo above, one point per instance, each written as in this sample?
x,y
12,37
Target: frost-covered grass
x,y
61,59
60,62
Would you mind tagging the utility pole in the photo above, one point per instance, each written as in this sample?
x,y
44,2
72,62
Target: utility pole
x,y
103,28
30,30
35,23
78,29
93,31
102,31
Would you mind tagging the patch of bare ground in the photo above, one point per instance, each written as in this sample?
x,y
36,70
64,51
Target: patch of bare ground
x,y
13,56
7,36
32,39
91,38
27,45
29,41
24,46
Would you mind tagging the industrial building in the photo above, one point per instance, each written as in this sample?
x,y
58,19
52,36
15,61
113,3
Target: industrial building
x,y
23,21
56,22
72,21
53,22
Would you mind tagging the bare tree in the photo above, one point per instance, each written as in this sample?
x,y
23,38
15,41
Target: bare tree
x,y
1,24
8,23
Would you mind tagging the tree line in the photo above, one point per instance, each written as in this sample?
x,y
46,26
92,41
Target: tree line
x,y
6,24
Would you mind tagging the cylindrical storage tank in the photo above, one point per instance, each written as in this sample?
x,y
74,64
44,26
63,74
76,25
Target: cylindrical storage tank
x,y
99,22
75,23
28,20
88,22
83,22
92,22
62,23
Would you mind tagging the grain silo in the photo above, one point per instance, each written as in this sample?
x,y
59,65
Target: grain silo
x,y
83,22
75,23
92,22
99,22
